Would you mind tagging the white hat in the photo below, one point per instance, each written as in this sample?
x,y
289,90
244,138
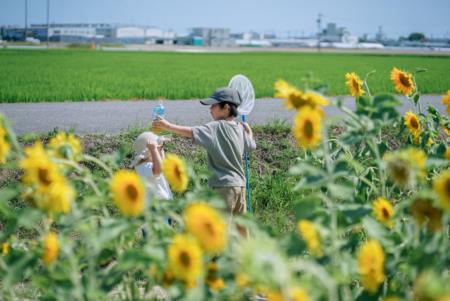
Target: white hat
x,y
140,148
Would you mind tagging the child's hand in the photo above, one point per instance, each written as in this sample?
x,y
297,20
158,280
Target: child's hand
x,y
160,123
152,144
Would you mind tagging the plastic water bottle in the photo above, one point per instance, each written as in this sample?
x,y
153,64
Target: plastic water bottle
x,y
158,112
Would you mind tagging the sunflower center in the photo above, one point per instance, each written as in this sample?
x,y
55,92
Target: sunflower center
x,y
209,228
355,85
385,213
447,187
414,123
132,192
44,176
404,80
185,259
400,172
177,172
309,129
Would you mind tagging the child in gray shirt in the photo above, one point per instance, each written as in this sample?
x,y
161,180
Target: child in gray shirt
x,y
225,140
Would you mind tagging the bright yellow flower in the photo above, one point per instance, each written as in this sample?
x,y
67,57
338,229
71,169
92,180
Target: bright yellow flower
x,y
66,146
207,225
4,146
446,101
175,172
383,211
307,127
446,98
447,153
298,294
311,236
441,185
274,296
403,81
185,258
371,265
296,99
128,192
314,100
5,248
212,280
413,124
49,189
39,169
58,198
51,248
4,150
424,212
354,84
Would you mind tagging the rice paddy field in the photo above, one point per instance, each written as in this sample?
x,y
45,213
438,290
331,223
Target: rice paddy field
x,y
77,75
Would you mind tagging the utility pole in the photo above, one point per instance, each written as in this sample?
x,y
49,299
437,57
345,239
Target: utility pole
x,y
26,19
48,24
319,30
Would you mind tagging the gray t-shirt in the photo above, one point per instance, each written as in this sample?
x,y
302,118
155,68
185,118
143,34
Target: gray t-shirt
x,y
225,143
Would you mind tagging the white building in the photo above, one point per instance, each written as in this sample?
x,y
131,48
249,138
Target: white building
x,y
130,32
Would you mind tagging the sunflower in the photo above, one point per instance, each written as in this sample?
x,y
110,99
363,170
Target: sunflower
x,y
298,294
296,99
371,265
307,127
418,159
58,199
272,295
383,211
446,101
405,166
424,212
185,258
5,248
447,153
4,150
66,146
128,192
206,224
354,84
403,81
413,124
4,146
175,171
38,168
309,233
51,248
441,185
212,280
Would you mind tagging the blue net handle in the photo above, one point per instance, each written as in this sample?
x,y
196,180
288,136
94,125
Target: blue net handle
x,y
247,176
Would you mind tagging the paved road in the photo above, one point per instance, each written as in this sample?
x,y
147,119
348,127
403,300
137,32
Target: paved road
x,y
111,117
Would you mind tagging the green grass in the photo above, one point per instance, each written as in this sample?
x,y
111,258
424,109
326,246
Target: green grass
x,y
59,75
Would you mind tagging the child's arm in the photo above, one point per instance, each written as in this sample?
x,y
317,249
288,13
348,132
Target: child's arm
x,y
249,140
163,124
156,158
248,130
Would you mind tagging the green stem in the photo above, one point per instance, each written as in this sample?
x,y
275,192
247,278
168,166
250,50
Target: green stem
x,y
372,144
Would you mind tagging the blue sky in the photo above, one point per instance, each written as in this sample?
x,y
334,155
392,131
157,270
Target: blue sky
x,y
397,17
